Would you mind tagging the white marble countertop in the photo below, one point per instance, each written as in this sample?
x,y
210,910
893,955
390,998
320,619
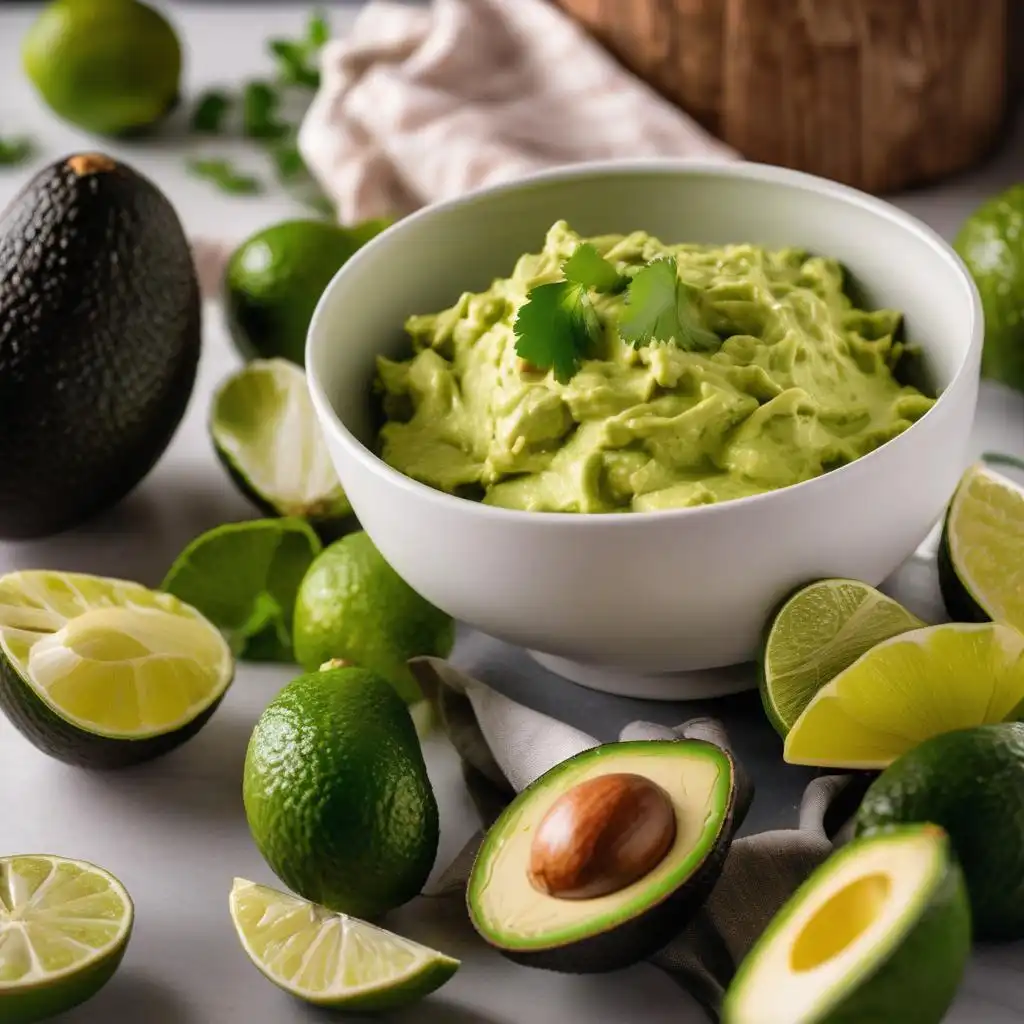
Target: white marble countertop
x,y
174,830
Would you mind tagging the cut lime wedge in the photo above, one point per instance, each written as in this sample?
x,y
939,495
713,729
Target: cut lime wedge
x,y
266,433
103,672
981,558
64,927
330,959
244,577
819,631
907,689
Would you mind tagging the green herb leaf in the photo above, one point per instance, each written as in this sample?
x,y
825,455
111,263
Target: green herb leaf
x,y
587,267
319,30
223,174
288,161
259,112
15,151
660,307
556,328
209,112
293,63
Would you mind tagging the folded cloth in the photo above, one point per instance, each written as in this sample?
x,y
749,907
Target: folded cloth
x,y
419,104
505,746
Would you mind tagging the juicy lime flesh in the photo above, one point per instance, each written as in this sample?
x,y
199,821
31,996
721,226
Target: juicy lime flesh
x,y
823,629
329,958
986,541
921,684
109,656
244,578
56,916
264,422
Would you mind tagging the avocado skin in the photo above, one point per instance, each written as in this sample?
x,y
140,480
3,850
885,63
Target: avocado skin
x,y
653,929
60,739
100,333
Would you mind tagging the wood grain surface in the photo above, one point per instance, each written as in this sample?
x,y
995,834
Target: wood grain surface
x,y
881,94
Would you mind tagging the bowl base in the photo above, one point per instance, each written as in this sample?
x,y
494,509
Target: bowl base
x,y
697,685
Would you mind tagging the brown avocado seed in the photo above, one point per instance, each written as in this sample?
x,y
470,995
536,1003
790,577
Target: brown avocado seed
x,y
601,836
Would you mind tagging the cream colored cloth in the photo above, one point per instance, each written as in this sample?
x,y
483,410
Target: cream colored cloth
x,y
420,104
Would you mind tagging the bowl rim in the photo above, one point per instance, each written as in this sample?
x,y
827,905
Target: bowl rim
x,y
742,169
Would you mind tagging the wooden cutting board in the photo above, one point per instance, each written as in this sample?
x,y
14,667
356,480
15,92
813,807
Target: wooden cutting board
x,y
880,94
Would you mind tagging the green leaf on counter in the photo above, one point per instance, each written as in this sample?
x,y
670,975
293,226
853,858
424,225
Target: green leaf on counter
x,y
226,177
319,30
209,112
260,102
288,161
660,307
15,151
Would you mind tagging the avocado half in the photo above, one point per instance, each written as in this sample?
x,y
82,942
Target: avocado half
x,y
666,808
880,932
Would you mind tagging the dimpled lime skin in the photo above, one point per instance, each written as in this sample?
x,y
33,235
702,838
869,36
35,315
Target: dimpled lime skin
x,y
971,782
352,605
337,795
991,243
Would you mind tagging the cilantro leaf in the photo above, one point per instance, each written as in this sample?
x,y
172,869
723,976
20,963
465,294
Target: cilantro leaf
x,y
15,151
318,30
288,161
293,63
660,307
259,112
223,174
587,267
556,328
209,112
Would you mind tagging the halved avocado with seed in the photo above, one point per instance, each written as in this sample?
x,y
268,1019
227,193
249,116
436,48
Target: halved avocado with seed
x,y
880,932
601,861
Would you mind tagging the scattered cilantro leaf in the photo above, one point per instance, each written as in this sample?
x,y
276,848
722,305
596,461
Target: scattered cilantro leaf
x,y
209,112
224,175
259,112
15,151
294,65
319,29
288,161
556,328
587,267
659,307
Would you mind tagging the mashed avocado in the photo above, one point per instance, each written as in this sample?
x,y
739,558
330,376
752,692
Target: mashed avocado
x,y
802,383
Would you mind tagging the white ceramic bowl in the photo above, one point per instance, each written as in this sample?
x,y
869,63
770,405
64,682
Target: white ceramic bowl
x,y
628,601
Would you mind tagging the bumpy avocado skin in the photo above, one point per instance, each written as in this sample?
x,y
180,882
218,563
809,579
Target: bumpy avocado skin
x,y
100,336
651,930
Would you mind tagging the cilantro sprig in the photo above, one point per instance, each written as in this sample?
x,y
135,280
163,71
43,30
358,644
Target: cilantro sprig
x,y
558,327
15,151
661,307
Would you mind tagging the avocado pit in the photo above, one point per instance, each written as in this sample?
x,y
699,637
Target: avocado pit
x,y
601,836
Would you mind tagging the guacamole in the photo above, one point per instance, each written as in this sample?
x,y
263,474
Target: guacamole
x,y
802,382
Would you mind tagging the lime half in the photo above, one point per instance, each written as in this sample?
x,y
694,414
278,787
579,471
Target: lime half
x,y
981,558
907,689
330,959
266,433
244,577
102,672
64,927
819,631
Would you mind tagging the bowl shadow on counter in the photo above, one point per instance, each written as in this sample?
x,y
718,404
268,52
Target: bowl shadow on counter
x,y
132,997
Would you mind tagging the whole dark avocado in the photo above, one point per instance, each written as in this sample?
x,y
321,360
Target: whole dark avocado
x,y
99,340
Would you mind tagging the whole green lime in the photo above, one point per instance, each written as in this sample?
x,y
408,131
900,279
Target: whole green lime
x,y
274,281
353,605
971,782
112,67
337,795
991,243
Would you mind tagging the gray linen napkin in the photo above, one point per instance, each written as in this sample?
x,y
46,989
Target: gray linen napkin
x,y
505,746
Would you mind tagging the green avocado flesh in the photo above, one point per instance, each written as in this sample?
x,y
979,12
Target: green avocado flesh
x,y
880,932
623,927
802,383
